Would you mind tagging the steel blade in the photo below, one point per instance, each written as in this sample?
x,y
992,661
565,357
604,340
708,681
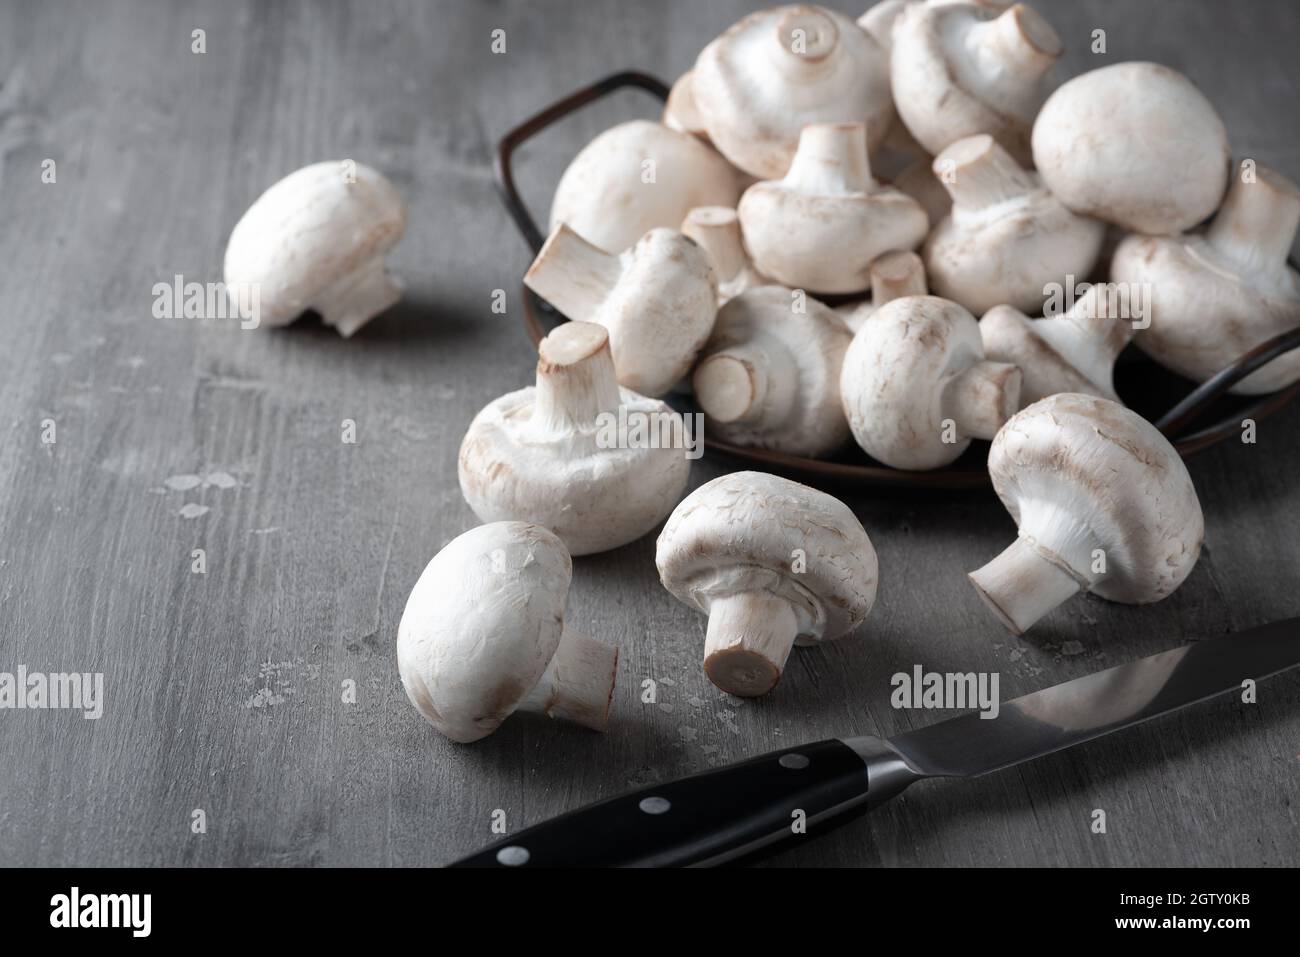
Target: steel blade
x,y
1077,711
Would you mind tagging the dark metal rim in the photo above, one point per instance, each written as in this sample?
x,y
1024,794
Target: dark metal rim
x,y
1173,424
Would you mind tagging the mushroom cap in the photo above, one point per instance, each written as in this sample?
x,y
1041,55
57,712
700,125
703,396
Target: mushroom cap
x,y
755,95
748,531
1007,252
309,229
944,90
1207,311
594,498
809,346
1077,473
604,196
481,625
893,377
1135,144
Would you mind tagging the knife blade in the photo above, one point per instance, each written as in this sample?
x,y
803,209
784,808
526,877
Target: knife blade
x,y
759,806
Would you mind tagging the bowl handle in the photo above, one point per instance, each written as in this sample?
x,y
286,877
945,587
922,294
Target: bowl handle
x,y
504,165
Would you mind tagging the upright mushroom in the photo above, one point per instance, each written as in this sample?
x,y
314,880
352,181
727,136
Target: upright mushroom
x,y
893,276
772,563
316,240
483,636
657,300
776,71
769,376
917,388
1072,352
1103,503
1217,294
636,177
1135,144
1007,238
820,227
598,466
717,230
958,69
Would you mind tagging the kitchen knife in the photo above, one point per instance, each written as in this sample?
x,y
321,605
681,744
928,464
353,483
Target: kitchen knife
x,y
746,810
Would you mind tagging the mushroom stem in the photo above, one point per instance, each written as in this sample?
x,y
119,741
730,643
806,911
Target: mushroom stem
x,y
578,683
977,173
831,160
1023,584
1258,221
981,398
717,230
1017,45
1089,334
742,383
357,296
748,641
895,275
572,274
576,381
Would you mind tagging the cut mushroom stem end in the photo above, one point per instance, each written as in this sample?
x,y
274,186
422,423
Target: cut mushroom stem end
x,y
358,296
578,684
981,399
748,641
572,274
576,381
1023,584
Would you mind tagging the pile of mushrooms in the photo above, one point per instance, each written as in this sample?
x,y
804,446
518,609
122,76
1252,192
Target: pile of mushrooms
x,y
838,232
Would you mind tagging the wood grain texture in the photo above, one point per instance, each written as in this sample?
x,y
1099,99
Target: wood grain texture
x,y
223,690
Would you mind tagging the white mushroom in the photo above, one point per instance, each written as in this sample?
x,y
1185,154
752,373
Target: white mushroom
x,y
769,376
776,71
316,240
598,466
1216,295
1135,144
680,112
483,636
1072,352
657,300
820,227
772,563
893,276
958,69
717,230
1103,503
916,387
1007,238
636,177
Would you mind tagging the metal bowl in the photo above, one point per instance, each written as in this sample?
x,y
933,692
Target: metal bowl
x,y
1174,404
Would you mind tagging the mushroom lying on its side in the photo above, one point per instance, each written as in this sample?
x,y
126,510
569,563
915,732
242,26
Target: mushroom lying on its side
x,y
1072,352
959,69
1216,295
717,230
1103,503
916,387
316,240
1007,237
562,454
636,177
772,563
820,227
1135,144
893,276
776,71
657,300
769,376
483,636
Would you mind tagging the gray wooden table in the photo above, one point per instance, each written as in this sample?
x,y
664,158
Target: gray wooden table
x,y
223,690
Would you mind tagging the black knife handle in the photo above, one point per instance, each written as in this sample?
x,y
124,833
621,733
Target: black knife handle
x,y
734,813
